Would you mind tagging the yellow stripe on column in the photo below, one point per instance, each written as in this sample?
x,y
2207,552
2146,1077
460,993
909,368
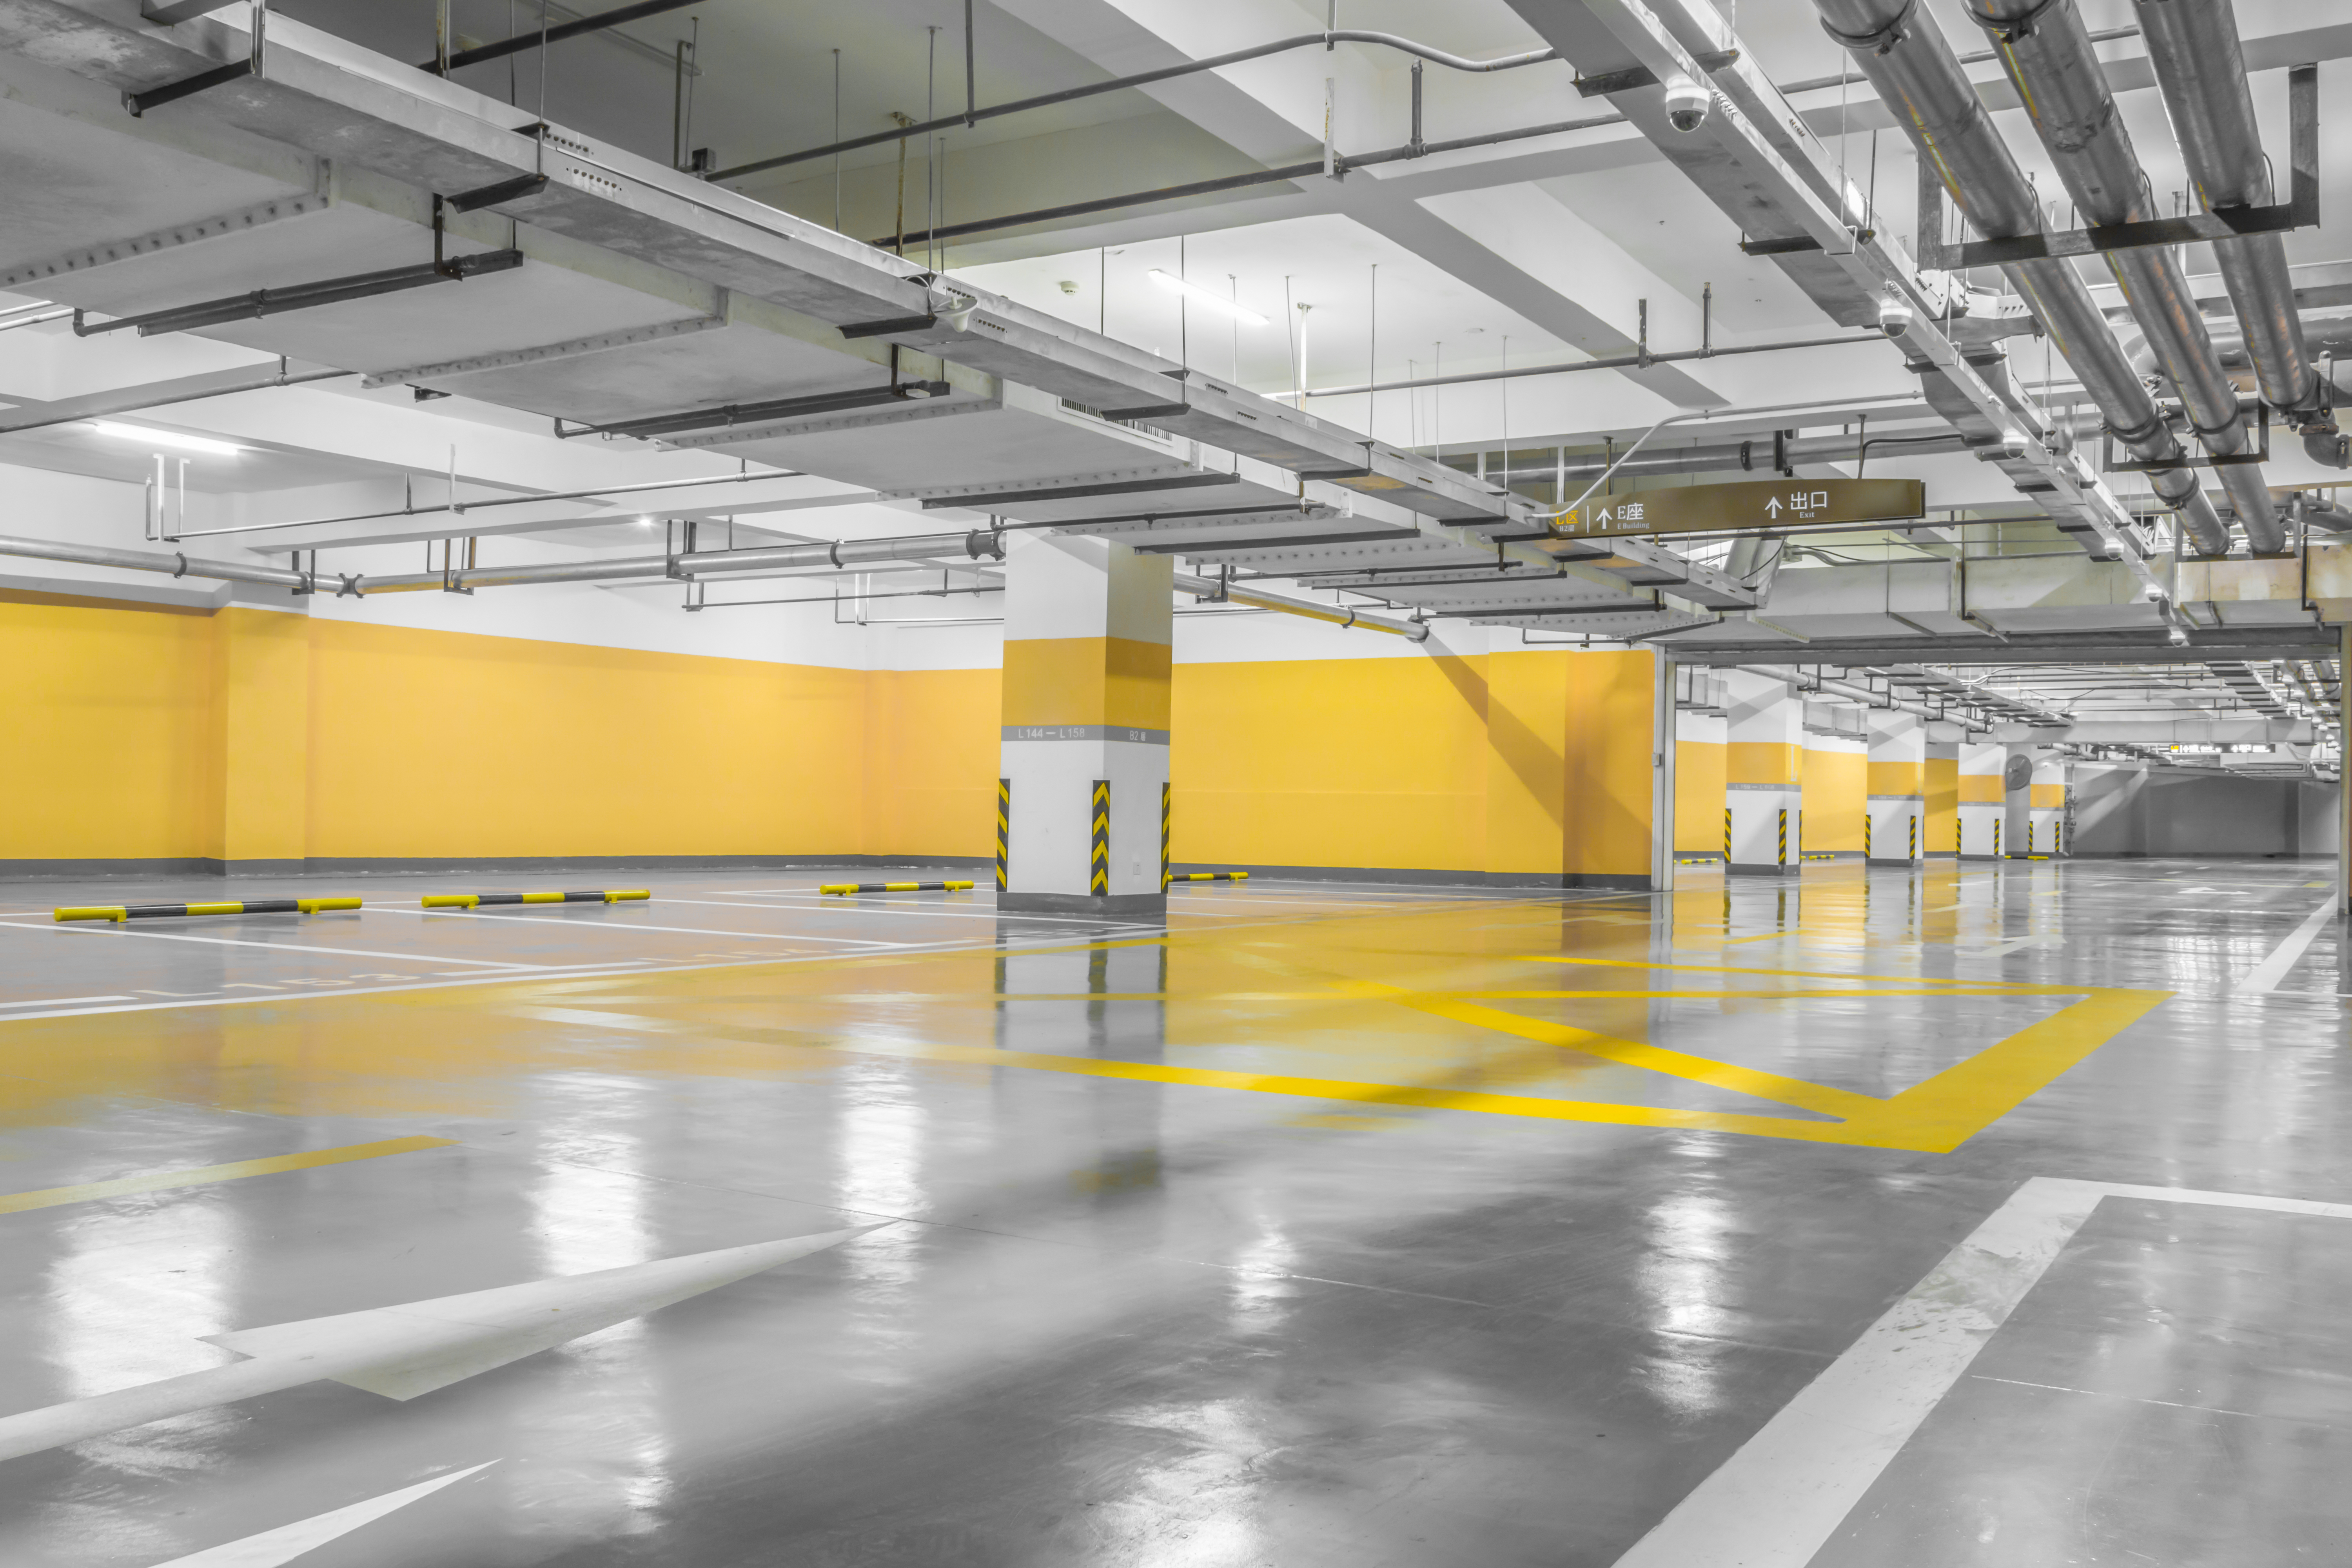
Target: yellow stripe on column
x,y
1761,762
204,1176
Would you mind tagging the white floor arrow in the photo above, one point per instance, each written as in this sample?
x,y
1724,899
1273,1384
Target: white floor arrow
x,y
403,1352
287,1542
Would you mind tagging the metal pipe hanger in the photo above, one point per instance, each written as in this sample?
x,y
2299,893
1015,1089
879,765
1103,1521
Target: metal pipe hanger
x,y
2048,57
1907,58
2200,70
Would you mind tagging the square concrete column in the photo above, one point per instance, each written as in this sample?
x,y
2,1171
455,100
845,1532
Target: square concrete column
x,y
1764,725
2021,833
1897,802
1982,798
2045,805
1082,784
1940,831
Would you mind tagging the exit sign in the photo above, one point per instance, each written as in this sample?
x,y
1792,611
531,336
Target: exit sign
x,y
1752,503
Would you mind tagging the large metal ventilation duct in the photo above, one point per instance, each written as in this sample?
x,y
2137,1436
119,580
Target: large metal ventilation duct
x,y
2047,53
1910,62
2193,44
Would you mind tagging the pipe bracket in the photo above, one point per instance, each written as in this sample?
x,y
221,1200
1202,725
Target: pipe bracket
x,y
1881,38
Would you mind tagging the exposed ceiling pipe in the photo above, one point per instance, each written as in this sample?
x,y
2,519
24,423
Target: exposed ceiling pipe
x,y
1863,695
977,544
174,564
1293,604
1765,456
1311,170
2202,70
1907,58
2048,55
1143,79
131,400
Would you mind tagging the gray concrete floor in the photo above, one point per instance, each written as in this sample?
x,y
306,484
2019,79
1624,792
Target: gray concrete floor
x,y
1331,1225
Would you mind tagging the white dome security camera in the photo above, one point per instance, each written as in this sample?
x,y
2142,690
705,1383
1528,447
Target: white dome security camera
x,y
1894,316
2014,442
1687,104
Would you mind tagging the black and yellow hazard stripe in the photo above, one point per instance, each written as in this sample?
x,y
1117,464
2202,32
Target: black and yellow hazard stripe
x,y
1167,828
1996,838
1912,852
895,888
1003,831
1098,876
1727,835
479,900
1784,836
1865,833
1210,877
162,912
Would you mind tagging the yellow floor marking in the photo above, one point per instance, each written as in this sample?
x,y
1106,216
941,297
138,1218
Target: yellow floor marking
x,y
48,1197
1935,1116
1756,993
1796,1091
1421,1098
1986,985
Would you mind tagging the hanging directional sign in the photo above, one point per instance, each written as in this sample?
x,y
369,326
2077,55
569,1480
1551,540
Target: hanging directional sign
x,y
1753,503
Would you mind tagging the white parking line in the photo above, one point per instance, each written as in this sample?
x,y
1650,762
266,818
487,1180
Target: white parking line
x,y
635,925
288,946
983,911
1777,1501
62,1001
2266,975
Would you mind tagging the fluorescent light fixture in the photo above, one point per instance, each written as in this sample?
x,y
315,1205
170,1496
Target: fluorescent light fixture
x,y
645,523
165,438
1193,291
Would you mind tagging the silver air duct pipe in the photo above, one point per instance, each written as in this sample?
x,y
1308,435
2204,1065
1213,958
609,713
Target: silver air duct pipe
x,y
173,564
1910,62
979,544
1861,696
2047,53
2201,69
1293,604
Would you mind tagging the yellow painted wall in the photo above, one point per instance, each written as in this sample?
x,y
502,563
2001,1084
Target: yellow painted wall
x,y
1528,764
1834,785
1373,762
1569,763
251,735
111,731
1941,829
931,754
1699,798
430,743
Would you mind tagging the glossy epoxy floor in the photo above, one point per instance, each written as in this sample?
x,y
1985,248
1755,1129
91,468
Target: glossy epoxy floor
x,y
1335,1224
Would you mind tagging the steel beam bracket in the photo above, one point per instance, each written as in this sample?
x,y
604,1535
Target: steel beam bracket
x,y
505,191
2300,210
1793,243
139,103
1626,81
2262,454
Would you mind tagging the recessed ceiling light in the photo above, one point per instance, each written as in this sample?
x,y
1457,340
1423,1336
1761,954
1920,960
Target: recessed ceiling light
x,y
645,523
165,438
1214,302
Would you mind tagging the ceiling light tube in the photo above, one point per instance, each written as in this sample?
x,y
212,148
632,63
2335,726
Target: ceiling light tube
x,y
1214,302
165,438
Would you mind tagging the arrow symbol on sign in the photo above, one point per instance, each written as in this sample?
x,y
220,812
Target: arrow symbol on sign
x,y
403,1352
287,1542
1773,506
